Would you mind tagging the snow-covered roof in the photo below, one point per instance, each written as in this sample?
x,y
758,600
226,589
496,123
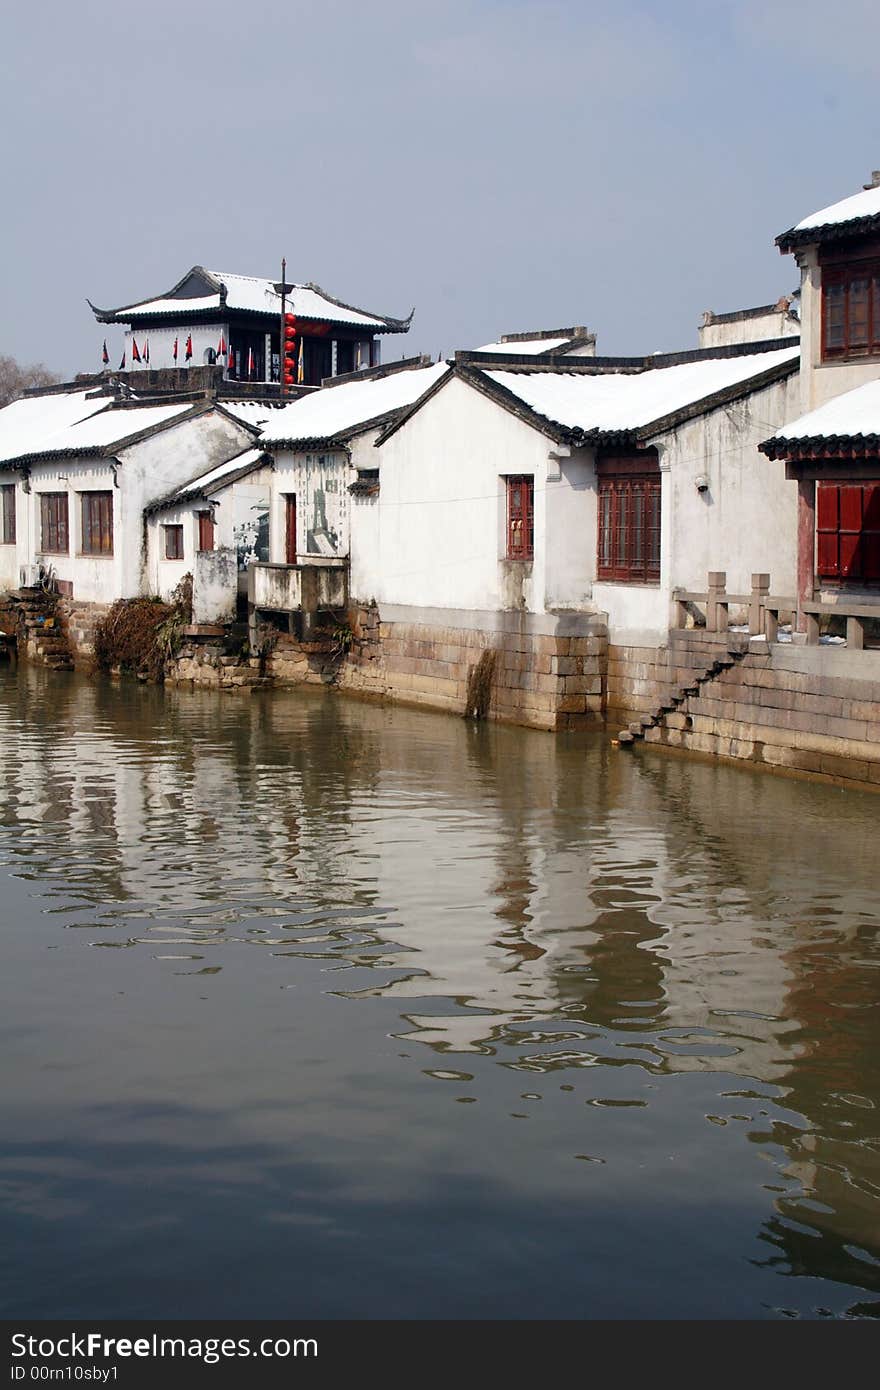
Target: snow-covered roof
x,y
336,412
30,425
253,413
618,402
853,415
40,426
214,480
116,423
220,289
859,208
526,347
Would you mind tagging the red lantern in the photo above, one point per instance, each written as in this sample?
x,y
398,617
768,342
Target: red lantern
x,y
289,318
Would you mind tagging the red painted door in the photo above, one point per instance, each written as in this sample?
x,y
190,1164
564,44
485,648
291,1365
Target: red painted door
x,y
290,530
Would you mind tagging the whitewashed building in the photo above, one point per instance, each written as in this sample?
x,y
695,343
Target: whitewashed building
x,y
584,486
831,451
213,528
323,509
77,469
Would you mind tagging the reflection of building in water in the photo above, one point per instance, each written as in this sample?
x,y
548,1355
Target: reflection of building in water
x,y
523,879
828,1227
108,781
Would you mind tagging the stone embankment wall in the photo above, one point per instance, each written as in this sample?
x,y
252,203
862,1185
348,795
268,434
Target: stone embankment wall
x,y
80,621
546,671
210,664
812,711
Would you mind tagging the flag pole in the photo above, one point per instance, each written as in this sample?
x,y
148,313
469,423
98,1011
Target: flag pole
x,y
281,327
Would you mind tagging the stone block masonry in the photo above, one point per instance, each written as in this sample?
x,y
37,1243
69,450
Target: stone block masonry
x,y
548,672
80,620
808,711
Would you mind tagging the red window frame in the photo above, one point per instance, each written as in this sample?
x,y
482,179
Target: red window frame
x,y
7,516
520,517
851,310
54,523
173,542
848,532
206,530
628,529
97,523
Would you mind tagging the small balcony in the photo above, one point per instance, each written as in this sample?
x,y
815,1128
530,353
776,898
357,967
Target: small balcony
x,y
317,585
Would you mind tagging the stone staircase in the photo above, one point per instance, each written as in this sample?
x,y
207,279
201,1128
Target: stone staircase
x,y
737,647
40,631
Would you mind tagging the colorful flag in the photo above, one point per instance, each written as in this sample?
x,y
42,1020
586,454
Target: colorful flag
x,y
230,365
251,363
300,370
147,351
122,363
105,356
174,352
135,355
189,346
221,349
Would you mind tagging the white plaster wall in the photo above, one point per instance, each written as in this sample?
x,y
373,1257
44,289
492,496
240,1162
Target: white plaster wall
x,y
166,461
778,323
215,586
821,381
442,506
320,482
161,342
235,508
163,575
95,578
570,503
9,561
746,520
364,549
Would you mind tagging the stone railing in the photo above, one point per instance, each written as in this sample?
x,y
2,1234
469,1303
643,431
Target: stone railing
x,y
857,614
764,610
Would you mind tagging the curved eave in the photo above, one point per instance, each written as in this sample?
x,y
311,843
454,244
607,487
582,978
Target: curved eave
x,y
51,455
829,231
822,447
225,314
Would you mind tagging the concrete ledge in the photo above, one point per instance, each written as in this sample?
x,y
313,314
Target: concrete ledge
x,y
563,623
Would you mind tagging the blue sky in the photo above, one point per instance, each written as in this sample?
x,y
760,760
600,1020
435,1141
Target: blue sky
x,y
502,164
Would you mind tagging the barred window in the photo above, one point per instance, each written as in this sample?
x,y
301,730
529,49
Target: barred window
x,y
629,517
520,517
851,310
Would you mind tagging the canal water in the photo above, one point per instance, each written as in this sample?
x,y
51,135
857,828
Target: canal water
x,y
312,1008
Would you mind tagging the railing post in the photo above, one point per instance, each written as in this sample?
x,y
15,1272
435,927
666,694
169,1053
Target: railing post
x,y
714,605
678,616
760,590
855,633
771,624
811,621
